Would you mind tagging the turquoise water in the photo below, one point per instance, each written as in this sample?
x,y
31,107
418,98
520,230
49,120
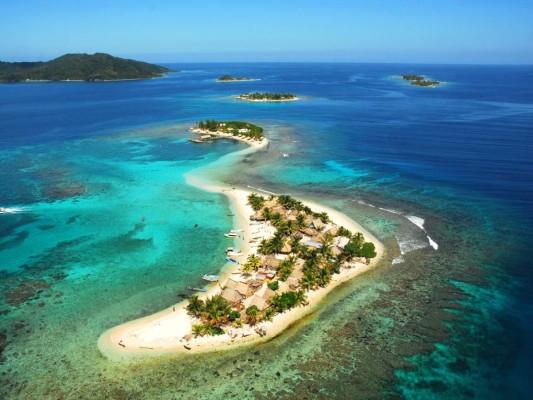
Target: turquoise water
x,y
101,229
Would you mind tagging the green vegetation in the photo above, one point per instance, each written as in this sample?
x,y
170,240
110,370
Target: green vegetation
x,y
229,78
252,314
419,80
236,128
256,201
310,264
84,67
267,96
251,264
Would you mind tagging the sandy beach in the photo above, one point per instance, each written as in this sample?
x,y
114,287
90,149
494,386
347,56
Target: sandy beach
x,y
170,330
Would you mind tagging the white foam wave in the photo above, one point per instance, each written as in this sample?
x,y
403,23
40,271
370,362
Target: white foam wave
x,y
433,244
398,260
391,211
408,244
365,204
11,210
417,221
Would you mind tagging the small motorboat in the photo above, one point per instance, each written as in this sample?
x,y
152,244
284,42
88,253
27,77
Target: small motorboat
x,y
236,230
211,278
230,235
234,253
232,260
196,289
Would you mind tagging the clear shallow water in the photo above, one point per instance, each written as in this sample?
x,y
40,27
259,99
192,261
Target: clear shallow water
x,y
86,161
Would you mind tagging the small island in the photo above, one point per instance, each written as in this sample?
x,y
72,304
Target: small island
x,y
267,97
229,78
419,80
292,253
80,67
211,129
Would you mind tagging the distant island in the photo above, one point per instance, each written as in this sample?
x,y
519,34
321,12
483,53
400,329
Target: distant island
x,y
419,80
229,78
80,67
213,129
268,97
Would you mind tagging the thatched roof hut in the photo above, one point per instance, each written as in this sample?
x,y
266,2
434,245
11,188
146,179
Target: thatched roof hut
x,y
309,231
334,230
268,293
240,287
317,224
309,219
271,262
293,282
286,249
341,241
260,302
258,216
336,250
231,296
297,274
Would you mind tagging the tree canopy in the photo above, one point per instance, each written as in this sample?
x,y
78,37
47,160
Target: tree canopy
x,y
84,67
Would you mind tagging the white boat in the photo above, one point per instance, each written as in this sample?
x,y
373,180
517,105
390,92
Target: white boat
x,y
230,235
210,278
234,253
236,230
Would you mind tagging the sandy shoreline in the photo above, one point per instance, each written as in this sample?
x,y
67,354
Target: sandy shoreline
x,y
164,332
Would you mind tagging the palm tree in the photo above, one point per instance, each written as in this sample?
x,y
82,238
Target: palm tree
x,y
217,310
265,247
252,313
276,218
256,201
277,243
358,239
301,298
295,241
251,264
267,213
277,303
286,267
195,306
324,217
324,277
283,228
300,220
199,330
308,281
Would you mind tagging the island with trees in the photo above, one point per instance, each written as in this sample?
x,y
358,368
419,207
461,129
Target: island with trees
x,y
267,97
213,129
292,254
419,80
305,251
80,67
229,78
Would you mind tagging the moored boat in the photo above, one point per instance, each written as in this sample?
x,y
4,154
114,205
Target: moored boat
x,y
230,235
210,278
231,260
196,289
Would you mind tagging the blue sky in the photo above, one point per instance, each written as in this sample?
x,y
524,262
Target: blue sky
x,y
424,31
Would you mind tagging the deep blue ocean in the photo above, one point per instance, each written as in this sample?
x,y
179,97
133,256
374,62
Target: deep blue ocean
x,y
442,176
